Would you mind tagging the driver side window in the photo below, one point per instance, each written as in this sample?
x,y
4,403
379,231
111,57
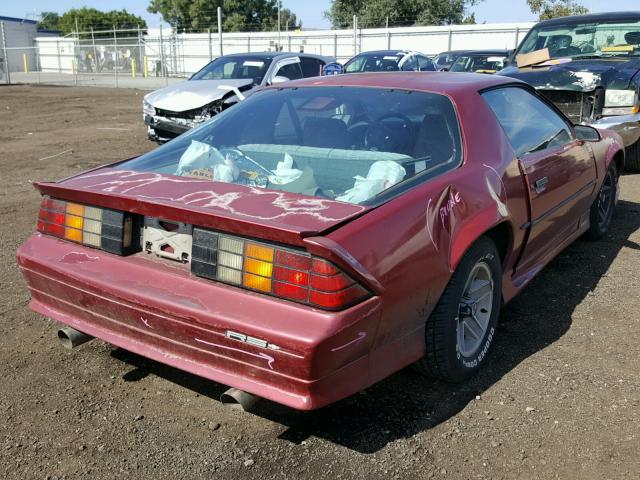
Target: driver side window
x,y
530,124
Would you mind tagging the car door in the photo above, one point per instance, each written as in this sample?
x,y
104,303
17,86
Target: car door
x,y
559,170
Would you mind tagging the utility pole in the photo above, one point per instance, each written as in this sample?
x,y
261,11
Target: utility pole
x,y
355,35
220,29
279,5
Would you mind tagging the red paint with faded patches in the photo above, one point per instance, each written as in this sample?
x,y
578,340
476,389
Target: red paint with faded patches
x,y
404,251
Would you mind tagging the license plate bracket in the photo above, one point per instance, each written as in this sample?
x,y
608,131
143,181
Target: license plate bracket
x,y
168,239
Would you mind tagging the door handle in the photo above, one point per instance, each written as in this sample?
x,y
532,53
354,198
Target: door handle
x,y
540,185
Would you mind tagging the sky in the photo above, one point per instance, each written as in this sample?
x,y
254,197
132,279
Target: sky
x,y
310,11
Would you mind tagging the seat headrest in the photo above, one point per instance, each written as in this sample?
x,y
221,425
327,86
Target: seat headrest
x,y
325,132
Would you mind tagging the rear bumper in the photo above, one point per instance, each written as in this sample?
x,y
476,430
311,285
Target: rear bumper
x,y
158,310
627,126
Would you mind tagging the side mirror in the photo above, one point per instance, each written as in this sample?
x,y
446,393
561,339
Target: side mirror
x,y
587,133
279,79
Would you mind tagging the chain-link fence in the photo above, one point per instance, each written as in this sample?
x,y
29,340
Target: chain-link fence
x,y
155,57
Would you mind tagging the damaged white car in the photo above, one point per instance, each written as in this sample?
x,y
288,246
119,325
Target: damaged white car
x,y
173,110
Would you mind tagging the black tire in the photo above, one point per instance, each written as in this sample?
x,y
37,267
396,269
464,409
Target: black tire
x,y
444,359
632,158
604,205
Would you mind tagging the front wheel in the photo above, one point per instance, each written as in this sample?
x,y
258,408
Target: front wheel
x,y
604,205
461,329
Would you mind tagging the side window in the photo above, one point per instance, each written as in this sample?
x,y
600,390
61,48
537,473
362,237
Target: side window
x,y
310,66
354,65
411,65
529,123
291,71
425,64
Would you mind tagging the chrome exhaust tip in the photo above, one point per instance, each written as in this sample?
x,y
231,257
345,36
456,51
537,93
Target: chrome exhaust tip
x,y
71,338
238,399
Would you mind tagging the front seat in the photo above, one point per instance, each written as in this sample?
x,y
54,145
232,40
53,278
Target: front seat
x,y
325,133
434,142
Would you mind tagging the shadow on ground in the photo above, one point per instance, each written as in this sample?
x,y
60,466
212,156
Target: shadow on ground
x,y
406,403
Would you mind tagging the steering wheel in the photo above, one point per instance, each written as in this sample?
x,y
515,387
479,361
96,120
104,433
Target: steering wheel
x,y
382,137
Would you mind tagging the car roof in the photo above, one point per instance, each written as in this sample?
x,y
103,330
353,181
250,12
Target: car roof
x,y
386,52
472,53
593,17
435,82
272,55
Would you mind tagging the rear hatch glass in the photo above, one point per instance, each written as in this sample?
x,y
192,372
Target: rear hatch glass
x,y
348,144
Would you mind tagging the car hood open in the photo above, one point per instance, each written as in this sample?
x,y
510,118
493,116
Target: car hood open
x,y
270,214
579,75
192,94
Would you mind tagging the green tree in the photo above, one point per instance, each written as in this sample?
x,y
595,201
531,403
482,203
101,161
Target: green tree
x,y
556,8
374,13
87,18
49,21
237,15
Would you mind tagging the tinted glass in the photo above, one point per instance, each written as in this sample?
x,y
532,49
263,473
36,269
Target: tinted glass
x,y
310,66
374,62
344,143
425,64
606,39
225,68
291,71
479,63
410,64
530,124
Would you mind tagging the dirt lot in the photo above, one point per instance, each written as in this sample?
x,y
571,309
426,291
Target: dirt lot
x,y
560,397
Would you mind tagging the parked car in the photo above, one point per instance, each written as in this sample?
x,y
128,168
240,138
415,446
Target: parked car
x,y
173,110
389,61
245,252
480,61
589,67
444,60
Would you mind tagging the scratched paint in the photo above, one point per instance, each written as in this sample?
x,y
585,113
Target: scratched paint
x,y
78,257
496,195
248,202
260,355
358,339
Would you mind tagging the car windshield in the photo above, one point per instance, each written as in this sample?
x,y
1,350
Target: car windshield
x,y
374,62
241,67
609,39
478,63
343,143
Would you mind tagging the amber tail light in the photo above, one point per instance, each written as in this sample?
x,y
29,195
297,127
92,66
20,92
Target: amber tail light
x,y
109,230
278,271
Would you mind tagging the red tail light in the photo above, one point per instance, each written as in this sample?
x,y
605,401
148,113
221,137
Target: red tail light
x,y
109,230
274,270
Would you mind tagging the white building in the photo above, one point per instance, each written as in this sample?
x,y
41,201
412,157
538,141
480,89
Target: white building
x,y
20,36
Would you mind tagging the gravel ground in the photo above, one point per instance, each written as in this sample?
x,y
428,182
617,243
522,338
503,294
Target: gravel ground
x,y
560,397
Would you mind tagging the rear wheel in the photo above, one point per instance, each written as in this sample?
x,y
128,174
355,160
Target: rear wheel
x,y
461,329
604,205
632,161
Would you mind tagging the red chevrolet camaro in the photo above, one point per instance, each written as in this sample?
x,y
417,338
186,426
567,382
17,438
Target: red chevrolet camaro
x,y
324,233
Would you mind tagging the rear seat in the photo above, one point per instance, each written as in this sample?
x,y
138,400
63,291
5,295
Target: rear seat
x,y
333,168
